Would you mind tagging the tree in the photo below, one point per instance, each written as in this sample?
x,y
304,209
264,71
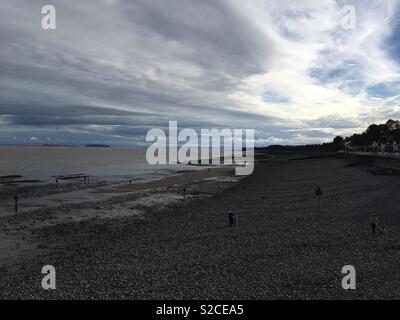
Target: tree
x,y
338,141
382,133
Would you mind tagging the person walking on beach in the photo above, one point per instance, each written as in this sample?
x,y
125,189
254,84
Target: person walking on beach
x,y
184,193
318,191
232,218
16,203
374,223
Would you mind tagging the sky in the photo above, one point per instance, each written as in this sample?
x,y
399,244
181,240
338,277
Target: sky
x,y
294,71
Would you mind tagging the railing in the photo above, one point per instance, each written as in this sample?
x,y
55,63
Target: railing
x,y
393,155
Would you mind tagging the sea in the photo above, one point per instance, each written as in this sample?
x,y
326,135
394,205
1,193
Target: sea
x,y
46,162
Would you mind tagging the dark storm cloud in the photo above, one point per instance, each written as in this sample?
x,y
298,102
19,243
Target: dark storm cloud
x,y
74,115
214,34
65,110
100,52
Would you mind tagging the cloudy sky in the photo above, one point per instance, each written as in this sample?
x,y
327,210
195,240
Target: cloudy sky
x,y
113,69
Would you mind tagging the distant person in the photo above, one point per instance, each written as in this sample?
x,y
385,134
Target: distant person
x,y
383,230
318,192
374,223
16,203
130,181
232,218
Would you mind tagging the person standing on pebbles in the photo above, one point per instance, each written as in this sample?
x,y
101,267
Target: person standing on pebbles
x,y
232,218
16,203
374,223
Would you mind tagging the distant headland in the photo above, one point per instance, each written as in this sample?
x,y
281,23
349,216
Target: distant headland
x,y
97,146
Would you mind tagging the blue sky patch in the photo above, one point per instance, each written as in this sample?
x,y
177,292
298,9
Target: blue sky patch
x,y
273,97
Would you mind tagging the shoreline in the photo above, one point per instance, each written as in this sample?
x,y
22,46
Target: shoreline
x,y
52,205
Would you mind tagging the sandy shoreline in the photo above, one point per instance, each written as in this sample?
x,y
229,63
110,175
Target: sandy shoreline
x,y
50,205
289,244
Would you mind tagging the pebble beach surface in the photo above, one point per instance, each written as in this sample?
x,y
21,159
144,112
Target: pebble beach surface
x,y
289,244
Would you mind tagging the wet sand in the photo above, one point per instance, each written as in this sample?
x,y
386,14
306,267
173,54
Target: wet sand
x,y
24,236
289,244
178,179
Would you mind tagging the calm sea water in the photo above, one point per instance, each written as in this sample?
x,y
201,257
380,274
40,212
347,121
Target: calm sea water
x,y
43,162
